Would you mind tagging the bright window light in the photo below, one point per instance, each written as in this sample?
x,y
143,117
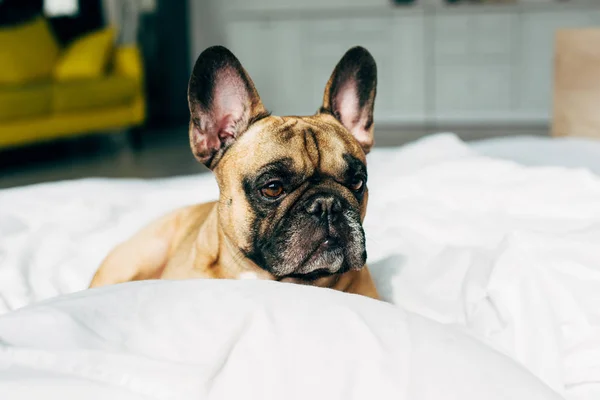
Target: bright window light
x,y
56,8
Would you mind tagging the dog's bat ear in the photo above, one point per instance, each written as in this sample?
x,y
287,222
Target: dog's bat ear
x,y
350,94
223,103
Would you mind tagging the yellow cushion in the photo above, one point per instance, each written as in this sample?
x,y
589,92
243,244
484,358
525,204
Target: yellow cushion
x,y
128,62
28,52
111,91
25,102
86,57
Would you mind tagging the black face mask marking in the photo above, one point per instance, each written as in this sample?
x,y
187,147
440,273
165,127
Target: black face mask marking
x,y
313,230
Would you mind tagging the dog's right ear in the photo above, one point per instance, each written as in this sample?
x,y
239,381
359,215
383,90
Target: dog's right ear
x,y
223,103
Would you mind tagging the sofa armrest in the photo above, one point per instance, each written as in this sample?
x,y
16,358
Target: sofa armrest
x,y
128,62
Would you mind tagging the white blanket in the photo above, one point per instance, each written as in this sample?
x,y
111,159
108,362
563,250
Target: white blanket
x,y
508,252
245,340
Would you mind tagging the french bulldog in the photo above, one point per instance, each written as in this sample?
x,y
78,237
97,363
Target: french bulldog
x,y
293,190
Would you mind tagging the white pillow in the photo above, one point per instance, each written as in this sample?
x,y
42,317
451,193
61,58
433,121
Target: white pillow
x,y
214,339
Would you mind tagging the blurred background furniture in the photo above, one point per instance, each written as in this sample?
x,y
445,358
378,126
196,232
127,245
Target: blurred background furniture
x,y
479,70
46,105
439,65
577,83
50,90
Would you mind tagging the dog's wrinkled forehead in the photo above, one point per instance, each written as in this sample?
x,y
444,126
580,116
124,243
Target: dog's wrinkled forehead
x,y
315,144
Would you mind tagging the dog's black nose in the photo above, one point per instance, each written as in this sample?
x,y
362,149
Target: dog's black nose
x,y
324,207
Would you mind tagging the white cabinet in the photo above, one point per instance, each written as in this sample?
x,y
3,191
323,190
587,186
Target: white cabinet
x,y
473,66
396,43
450,37
491,34
327,41
291,61
536,53
252,42
480,65
406,96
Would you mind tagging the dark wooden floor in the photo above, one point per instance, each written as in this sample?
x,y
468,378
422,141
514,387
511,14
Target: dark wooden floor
x,y
165,152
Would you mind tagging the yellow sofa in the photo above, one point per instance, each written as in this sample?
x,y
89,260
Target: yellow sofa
x,y
47,92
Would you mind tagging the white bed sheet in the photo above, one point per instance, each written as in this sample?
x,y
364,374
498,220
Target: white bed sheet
x,y
245,340
570,152
506,251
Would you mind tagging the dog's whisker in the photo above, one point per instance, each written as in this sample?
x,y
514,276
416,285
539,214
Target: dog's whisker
x,y
238,256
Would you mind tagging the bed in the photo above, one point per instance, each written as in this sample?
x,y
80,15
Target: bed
x,y
485,254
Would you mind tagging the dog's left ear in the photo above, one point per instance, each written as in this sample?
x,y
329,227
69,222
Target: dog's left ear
x,y
223,103
350,94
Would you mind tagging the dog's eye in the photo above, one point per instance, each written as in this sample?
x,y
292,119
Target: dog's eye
x,y
357,184
272,190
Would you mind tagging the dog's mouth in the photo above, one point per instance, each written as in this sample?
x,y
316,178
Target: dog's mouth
x,y
325,260
329,245
307,251
309,277
314,275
